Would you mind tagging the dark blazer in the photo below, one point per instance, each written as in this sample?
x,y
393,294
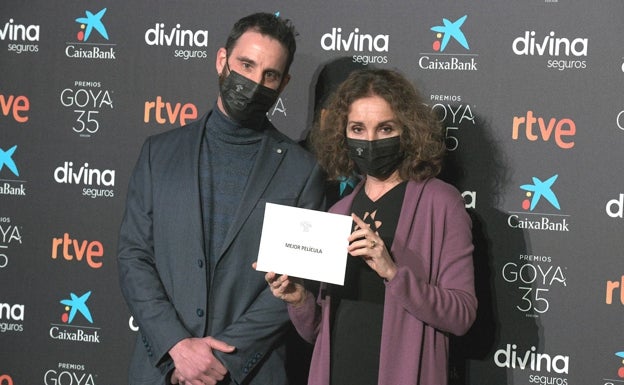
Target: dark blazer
x,y
163,266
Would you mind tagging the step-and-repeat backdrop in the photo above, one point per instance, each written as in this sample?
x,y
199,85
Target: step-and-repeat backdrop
x,y
530,94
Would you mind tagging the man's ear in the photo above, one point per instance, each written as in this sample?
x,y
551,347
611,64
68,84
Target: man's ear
x,y
221,60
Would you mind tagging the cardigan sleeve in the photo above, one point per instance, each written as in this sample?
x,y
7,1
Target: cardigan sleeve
x,y
306,318
435,278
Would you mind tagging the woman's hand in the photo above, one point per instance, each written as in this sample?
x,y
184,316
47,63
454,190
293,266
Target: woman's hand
x,y
367,244
290,290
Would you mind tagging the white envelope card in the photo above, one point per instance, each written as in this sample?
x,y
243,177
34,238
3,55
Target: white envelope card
x,y
304,243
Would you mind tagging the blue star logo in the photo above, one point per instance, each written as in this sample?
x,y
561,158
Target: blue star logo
x,y
451,30
78,304
542,190
6,160
93,22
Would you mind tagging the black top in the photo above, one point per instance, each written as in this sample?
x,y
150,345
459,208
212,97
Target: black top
x,y
358,305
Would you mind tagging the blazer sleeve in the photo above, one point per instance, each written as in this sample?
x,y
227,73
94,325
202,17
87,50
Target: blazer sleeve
x,y
262,326
140,281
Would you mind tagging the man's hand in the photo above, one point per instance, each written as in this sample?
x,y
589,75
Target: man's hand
x,y
194,362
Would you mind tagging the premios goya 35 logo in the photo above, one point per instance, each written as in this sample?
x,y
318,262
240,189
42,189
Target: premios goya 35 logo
x,y
91,24
87,100
448,34
75,307
535,193
10,235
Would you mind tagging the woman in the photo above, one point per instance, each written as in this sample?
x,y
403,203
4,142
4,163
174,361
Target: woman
x,y
409,280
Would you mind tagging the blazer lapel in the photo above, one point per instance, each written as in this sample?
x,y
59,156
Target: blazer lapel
x,y
267,161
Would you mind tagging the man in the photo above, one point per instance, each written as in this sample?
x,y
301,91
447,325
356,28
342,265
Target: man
x,y
193,222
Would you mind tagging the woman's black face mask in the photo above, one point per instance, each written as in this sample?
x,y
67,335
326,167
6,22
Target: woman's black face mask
x,y
377,158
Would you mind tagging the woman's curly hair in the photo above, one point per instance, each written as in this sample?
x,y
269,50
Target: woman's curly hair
x,y
421,133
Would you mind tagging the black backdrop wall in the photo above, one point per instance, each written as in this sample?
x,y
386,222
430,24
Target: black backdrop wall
x,y
531,98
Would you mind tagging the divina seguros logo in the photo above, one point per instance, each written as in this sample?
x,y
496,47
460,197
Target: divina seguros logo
x,y
368,48
449,34
21,37
67,331
98,183
11,317
91,25
539,191
189,44
545,368
563,53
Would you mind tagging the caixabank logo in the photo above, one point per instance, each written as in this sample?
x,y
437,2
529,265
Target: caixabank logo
x,y
450,48
76,321
89,102
620,371
615,376
20,37
9,172
92,39
538,204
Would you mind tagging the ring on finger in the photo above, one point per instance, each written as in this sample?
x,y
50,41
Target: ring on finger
x,y
373,243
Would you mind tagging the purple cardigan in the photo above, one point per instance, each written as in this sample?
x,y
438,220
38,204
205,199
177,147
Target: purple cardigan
x,y
431,295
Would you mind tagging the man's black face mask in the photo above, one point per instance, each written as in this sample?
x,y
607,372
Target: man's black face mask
x,y
245,101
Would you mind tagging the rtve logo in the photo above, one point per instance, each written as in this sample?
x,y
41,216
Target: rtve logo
x,y
611,291
562,131
70,249
166,112
5,379
17,106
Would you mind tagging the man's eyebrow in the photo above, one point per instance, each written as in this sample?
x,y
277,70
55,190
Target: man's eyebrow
x,y
246,59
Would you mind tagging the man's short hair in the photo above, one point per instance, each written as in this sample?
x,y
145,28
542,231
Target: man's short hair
x,y
267,24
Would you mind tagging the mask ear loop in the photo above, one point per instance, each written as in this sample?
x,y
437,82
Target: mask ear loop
x,y
227,64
